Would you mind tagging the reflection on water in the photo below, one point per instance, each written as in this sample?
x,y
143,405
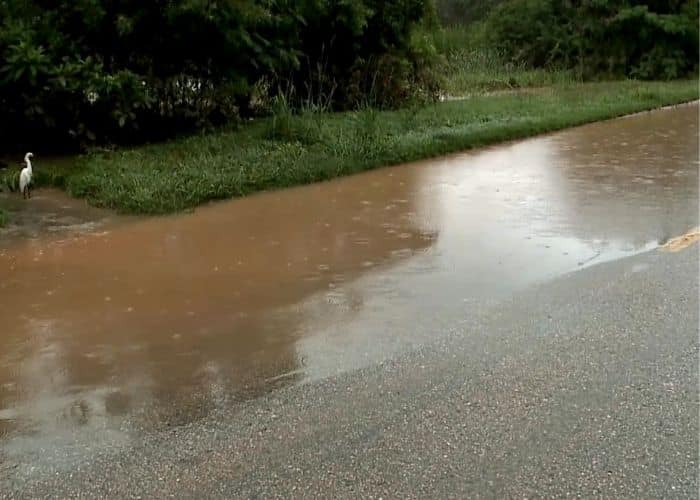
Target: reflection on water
x,y
156,322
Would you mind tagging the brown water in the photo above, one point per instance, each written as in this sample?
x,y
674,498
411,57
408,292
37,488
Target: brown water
x,y
140,324
50,211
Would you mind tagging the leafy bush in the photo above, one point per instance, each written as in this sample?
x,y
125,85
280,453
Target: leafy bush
x,y
96,69
363,52
464,12
649,40
83,71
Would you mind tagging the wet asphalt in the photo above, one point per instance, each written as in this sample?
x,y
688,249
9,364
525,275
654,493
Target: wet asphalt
x,y
586,386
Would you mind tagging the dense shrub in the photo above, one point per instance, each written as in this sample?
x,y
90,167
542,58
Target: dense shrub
x,y
363,52
648,40
82,71
463,12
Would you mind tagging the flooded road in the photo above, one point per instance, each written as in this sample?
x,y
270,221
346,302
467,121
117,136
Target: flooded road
x,y
138,325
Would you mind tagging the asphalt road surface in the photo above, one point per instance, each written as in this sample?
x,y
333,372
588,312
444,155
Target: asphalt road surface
x,y
586,386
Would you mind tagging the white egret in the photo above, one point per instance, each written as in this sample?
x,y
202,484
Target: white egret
x,y
25,177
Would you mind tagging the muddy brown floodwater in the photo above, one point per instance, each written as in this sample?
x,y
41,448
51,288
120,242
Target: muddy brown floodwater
x,y
114,329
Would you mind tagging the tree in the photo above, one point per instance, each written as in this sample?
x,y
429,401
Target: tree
x,y
640,39
83,71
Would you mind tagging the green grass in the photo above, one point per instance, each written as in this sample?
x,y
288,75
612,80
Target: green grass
x,y
472,66
306,148
449,39
483,70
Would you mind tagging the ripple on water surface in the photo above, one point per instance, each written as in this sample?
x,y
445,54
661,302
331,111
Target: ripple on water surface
x,y
139,324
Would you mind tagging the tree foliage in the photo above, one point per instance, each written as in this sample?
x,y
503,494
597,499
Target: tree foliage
x,y
83,71
79,72
639,39
464,12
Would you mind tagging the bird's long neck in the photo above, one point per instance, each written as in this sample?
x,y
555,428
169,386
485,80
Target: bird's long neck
x,y
29,164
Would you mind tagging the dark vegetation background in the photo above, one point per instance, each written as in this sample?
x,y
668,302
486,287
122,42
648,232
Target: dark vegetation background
x,y
79,73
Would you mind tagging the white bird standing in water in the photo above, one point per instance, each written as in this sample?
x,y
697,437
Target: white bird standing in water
x,y
25,177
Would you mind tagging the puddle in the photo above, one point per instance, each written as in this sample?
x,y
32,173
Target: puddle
x,y
113,327
50,213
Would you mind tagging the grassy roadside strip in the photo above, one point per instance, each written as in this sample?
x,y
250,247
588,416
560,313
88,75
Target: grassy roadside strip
x,y
288,149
